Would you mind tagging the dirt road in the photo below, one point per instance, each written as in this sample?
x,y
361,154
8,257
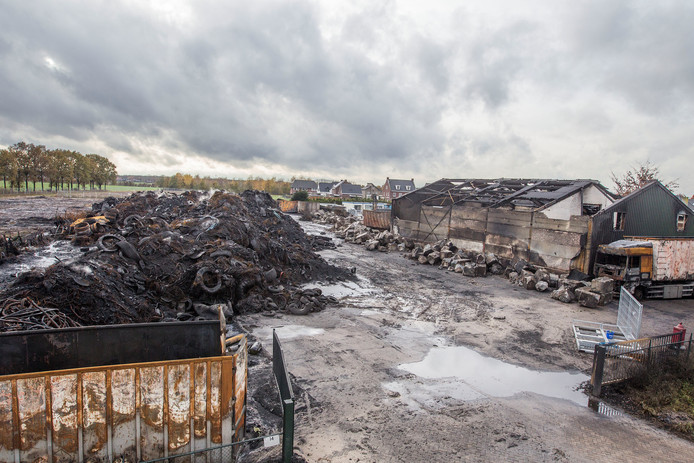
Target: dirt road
x,y
419,364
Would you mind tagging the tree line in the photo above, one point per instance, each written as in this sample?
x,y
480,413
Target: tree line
x,y
272,186
24,163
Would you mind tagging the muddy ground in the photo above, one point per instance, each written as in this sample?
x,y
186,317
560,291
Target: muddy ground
x,y
26,213
386,376
420,364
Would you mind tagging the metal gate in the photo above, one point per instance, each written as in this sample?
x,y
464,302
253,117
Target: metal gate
x,y
590,334
629,314
619,361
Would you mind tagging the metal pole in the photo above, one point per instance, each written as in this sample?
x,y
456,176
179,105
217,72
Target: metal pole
x,y
598,369
288,431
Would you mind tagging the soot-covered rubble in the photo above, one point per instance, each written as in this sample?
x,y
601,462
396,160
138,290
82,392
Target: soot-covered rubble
x,y
163,256
567,288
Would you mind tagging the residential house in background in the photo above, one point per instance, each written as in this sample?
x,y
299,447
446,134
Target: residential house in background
x,y
304,185
394,189
369,190
344,189
325,187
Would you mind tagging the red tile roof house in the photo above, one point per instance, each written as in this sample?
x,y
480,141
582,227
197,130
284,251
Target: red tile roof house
x,y
393,188
303,185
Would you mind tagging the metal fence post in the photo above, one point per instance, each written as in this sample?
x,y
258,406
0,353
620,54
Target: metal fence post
x,y
689,347
286,396
598,369
288,431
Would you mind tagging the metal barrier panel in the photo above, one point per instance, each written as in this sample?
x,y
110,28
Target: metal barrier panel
x,y
629,314
134,411
287,396
280,370
307,206
288,206
377,219
89,346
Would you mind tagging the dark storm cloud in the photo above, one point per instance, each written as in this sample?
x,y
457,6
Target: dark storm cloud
x,y
637,50
119,69
340,88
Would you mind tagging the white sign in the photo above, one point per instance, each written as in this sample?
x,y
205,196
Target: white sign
x,y
271,441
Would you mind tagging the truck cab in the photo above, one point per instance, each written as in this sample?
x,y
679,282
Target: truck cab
x,y
630,263
658,268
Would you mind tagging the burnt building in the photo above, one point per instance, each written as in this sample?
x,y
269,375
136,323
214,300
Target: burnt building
x,y
545,222
557,224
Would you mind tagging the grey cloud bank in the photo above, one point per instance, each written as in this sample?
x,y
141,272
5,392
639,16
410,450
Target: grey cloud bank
x,y
355,90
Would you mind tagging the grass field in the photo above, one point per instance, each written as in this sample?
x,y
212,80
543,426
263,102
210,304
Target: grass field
x,y
114,188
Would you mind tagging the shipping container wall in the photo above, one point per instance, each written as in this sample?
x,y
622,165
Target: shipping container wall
x,y
135,411
673,259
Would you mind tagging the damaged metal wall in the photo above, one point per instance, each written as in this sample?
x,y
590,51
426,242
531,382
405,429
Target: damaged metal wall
x,y
377,219
137,411
298,206
553,243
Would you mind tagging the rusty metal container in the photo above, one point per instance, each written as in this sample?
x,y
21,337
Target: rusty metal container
x,y
288,206
673,259
377,219
135,411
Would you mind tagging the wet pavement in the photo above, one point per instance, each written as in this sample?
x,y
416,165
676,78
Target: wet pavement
x,y
386,377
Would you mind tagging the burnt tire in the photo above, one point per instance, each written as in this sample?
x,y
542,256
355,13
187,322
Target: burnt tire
x,y
104,246
200,278
297,309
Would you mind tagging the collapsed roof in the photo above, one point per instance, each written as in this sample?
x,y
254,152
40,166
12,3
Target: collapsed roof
x,y
493,193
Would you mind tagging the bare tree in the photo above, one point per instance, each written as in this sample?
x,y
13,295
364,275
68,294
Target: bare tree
x,y
637,177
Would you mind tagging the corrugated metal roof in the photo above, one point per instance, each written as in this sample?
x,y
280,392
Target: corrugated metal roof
x,y
532,193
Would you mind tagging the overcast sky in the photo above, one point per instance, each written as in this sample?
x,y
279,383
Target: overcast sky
x,y
357,89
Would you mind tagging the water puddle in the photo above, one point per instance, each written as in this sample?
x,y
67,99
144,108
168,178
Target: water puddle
x,y
602,408
477,376
288,332
41,258
343,289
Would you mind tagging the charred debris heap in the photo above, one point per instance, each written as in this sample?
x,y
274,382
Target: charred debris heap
x,y
571,287
162,256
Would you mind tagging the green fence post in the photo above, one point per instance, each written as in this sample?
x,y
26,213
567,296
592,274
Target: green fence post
x,y
598,369
288,431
